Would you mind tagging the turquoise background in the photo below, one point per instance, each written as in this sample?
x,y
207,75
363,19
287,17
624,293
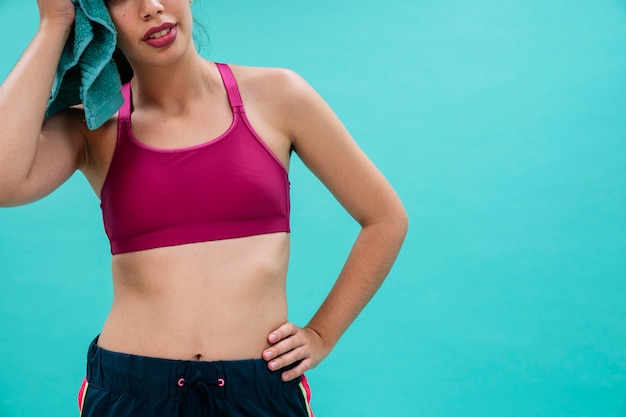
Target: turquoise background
x,y
502,126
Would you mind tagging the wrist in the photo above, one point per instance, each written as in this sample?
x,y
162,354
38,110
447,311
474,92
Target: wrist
x,y
61,25
326,342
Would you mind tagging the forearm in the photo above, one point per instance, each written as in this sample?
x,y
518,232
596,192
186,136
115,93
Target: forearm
x,y
368,264
23,100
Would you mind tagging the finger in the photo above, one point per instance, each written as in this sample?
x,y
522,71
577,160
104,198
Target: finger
x,y
286,359
285,330
286,345
296,372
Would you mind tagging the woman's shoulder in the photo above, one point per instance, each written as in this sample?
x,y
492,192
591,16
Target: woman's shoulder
x,y
275,82
265,74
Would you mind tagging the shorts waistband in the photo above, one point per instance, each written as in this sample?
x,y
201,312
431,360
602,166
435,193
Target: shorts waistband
x,y
171,379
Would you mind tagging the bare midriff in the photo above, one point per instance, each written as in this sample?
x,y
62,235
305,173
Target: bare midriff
x,y
207,301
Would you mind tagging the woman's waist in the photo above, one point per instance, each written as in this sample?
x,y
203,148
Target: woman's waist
x,y
211,300
210,328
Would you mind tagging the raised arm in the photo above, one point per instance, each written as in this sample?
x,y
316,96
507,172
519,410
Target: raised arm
x,y
328,150
36,158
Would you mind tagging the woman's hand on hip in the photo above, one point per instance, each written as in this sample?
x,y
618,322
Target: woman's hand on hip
x,y
290,344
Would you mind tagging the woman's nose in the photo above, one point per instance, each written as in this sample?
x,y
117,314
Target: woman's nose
x,y
151,8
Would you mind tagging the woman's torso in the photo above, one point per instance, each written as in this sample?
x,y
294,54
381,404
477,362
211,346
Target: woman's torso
x,y
208,300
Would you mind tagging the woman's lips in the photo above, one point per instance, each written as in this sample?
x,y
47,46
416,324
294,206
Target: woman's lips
x,y
161,36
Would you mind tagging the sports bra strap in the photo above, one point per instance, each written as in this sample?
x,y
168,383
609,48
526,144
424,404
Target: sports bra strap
x,y
231,87
124,113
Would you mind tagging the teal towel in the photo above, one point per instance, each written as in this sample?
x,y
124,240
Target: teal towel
x,y
87,73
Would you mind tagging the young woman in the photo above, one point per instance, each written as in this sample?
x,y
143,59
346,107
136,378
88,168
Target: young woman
x,y
192,176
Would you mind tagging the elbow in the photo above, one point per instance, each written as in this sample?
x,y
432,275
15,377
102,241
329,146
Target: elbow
x,y
396,217
401,223
396,222
13,194
12,185
5,195
7,198
405,221
392,225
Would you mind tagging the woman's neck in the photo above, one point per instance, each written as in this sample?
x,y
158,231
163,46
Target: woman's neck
x,y
174,86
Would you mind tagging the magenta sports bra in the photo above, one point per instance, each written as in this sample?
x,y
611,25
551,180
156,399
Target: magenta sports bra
x,y
231,186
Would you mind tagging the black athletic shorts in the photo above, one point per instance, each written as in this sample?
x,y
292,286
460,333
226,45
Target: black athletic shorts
x,y
123,385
